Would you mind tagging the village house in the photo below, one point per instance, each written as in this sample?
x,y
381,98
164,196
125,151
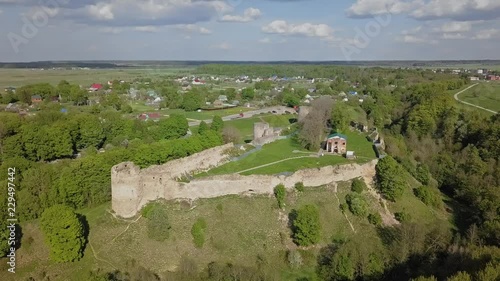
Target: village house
x,y
198,82
95,87
223,98
218,103
336,143
493,78
36,99
149,116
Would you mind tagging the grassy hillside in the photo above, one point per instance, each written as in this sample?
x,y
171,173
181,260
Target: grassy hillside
x,y
485,94
243,230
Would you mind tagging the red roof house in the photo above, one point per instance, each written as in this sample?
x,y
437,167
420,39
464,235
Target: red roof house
x,y
147,116
95,87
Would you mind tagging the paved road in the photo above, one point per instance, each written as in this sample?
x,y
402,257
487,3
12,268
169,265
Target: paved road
x,y
248,114
470,104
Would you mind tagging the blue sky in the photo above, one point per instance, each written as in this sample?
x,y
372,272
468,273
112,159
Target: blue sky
x,y
32,30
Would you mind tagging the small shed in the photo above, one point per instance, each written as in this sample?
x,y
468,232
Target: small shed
x,y
350,155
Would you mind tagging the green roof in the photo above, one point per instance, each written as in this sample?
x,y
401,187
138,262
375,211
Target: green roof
x,y
337,135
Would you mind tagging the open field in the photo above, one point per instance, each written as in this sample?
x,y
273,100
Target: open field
x,y
20,77
486,94
278,151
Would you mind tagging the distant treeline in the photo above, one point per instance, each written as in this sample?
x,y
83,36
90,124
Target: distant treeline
x,y
127,64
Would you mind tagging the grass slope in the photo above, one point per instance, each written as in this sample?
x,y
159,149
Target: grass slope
x,y
239,230
486,95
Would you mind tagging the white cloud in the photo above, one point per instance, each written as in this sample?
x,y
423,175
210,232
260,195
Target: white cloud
x,y
249,14
222,46
415,39
145,12
363,8
487,34
452,36
147,28
101,11
458,9
455,26
303,29
193,28
461,10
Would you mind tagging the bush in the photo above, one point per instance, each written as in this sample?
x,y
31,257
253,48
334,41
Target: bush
x,y
158,225
402,217
299,186
280,193
375,219
358,185
146,210
306,226
344,207
430,196
357,204
422,174
198,232
294,259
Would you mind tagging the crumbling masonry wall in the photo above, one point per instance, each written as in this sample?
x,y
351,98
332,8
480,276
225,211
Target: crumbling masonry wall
x,y
133,188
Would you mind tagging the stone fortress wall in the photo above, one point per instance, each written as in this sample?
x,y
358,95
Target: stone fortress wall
x,y
132,188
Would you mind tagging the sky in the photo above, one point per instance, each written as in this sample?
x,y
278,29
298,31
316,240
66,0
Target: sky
x,y
254,30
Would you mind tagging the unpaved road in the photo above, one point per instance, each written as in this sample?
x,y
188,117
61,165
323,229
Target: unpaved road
x,y
470,104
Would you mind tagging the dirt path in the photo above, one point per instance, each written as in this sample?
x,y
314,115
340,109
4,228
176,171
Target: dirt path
x,y
338,200
99,259
470,104
128,226
269,164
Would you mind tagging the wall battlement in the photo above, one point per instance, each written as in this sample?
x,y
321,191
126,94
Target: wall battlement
x,y
132,188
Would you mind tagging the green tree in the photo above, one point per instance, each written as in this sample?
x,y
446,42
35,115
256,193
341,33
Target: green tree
x,y
91,132
390,178
280,193
358,185
429,195
217,124
375,219
460,276
306,225
174,127
192,101
340,118
202,128
64,232
357,204
291,99
248,94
